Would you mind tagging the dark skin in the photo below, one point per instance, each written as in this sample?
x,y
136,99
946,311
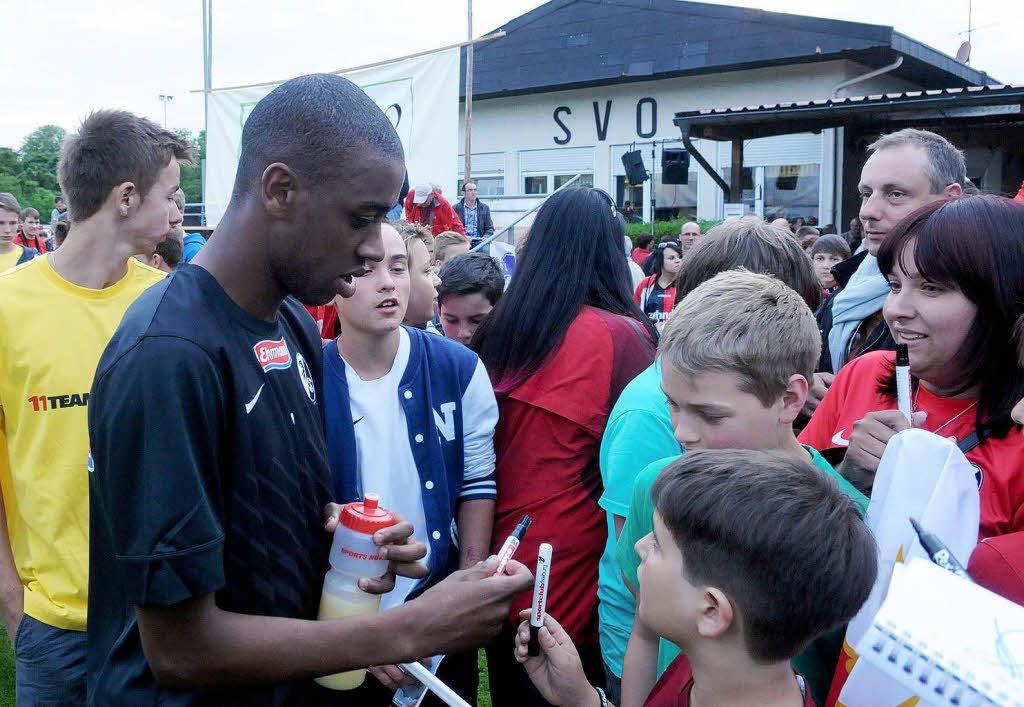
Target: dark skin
x,y
287,239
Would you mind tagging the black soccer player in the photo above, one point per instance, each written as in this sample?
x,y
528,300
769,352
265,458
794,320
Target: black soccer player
x,y
211,486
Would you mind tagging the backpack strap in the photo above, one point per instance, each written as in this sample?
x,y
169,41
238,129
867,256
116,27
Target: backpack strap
x,y
973,440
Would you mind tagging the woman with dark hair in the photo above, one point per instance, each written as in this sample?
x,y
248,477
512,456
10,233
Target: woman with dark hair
x,y
956,276
656,293
560,346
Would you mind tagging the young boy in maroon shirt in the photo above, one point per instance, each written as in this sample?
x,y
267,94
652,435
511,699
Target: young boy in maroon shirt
x,y
727,576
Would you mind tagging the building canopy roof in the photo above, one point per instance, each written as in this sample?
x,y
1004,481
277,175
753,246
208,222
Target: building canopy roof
x,y
976,104
576,43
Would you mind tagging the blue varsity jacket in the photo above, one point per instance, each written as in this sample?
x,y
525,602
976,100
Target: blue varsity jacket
x,y
431,392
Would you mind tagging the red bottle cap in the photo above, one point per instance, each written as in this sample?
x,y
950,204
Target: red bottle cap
x,y
366,516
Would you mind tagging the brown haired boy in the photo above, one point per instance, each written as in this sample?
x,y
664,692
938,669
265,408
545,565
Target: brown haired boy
x,y
118,174
11,252
726,575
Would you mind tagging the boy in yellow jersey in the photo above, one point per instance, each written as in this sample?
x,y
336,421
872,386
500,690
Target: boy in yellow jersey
x,y
11,253
119,175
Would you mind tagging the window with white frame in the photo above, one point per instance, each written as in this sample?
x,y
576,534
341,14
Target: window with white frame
x,y
544,171
488,173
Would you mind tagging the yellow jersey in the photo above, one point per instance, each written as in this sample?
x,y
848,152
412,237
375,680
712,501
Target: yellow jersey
x,y
10,259
52,334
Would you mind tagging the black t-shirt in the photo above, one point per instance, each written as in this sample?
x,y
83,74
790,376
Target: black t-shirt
x,y
210,476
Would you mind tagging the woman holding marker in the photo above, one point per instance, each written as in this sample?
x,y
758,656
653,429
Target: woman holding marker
x,y
562,343
956,273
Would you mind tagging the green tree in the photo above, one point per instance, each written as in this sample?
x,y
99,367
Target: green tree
x,y
10,162
192,177
39,153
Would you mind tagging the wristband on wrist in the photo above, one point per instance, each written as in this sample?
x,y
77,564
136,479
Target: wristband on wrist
x,y
603,697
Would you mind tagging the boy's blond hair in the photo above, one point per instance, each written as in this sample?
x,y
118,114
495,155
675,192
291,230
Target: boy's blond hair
x,y
443,240
746,324
410,231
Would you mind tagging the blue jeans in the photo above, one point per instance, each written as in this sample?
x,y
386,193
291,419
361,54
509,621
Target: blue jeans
x,y
612,686
50,664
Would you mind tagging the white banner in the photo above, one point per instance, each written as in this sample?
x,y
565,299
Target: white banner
x,y
419,95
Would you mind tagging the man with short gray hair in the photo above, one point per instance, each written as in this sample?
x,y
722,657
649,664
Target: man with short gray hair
x,y
906,170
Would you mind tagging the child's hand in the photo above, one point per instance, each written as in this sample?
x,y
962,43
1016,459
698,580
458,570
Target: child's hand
x,y
557,672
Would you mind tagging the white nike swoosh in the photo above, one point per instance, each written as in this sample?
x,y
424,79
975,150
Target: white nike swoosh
x,y
252,403
837,439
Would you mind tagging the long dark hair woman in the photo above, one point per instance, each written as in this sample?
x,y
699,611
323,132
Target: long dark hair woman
x,y
656,293
560,346
956,276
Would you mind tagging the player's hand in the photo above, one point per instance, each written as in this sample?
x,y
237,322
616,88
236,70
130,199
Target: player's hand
x,y
392,677
819,386
395,543
467,608
868,440
557,672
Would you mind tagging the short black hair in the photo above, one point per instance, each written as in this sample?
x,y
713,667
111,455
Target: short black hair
x,y
742,520
470,273
171,250
57,199
312,124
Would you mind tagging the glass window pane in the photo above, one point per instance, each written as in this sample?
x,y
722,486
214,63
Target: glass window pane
x,y
672,201
535,185
490,186
791,191
585,180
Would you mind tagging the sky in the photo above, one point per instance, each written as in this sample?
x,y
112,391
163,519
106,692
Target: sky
x,y
68,57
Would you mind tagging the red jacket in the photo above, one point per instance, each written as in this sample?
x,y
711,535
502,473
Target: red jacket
x,y
38,243
443,217
1020,194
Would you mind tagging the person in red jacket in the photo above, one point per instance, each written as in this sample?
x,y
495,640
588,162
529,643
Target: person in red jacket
x,y
426,206
1020,194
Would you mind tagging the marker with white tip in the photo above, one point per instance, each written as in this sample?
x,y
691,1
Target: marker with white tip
x,y
540,597
903,381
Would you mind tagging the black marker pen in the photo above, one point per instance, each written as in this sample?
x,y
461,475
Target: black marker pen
x,y
540,597
938,552
512,544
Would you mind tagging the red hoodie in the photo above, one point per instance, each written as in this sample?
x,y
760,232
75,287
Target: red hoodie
x,y
442,219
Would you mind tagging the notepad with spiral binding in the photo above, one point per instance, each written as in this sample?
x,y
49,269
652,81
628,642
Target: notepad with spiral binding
x,y
947,639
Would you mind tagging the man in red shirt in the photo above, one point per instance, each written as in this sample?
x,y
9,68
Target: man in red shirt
x,y
31,235
426,206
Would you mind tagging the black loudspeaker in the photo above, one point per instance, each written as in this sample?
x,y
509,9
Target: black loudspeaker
x,y
636,173
675,166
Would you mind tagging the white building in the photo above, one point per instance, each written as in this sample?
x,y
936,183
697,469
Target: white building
x,y
576,83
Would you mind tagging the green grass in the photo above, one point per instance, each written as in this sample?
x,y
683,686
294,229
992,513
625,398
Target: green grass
x,y
6,671
483,693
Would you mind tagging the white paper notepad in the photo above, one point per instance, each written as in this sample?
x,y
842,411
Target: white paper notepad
x,y
947,639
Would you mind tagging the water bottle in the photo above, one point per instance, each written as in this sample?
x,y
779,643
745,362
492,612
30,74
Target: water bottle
x,y
353,555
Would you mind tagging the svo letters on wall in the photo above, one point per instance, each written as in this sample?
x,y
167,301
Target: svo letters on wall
x,y
603,117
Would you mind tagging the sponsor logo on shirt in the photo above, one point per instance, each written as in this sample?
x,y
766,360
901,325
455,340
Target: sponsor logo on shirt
x,y
306,377
839,440
45,403
273,355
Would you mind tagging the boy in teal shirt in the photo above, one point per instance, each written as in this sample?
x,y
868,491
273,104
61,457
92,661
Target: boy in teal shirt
x,y
737,357
640,431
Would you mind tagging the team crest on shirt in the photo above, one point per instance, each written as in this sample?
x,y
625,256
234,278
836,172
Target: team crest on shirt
x,y
305,376
273,355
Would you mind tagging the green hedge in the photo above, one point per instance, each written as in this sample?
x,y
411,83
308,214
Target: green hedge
x,y
663,228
